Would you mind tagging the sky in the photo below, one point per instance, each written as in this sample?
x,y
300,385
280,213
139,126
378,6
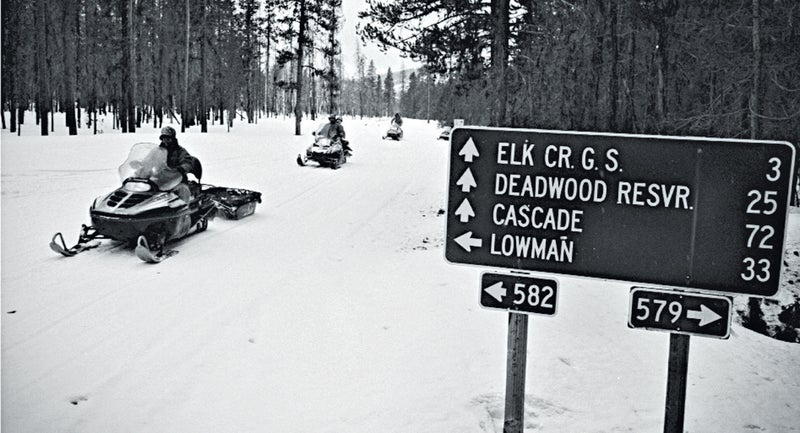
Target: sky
x,y
383,60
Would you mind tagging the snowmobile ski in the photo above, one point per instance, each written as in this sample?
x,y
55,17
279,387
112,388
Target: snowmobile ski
x,y
146,254
86,241
301,161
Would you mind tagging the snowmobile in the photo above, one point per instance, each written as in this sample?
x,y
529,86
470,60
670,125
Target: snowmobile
x,y
325,151
395,132
155,206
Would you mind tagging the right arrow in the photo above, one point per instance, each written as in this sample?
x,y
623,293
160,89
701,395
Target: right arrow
x,y
466,181
705,314
496,291
467,241
469,150
465,211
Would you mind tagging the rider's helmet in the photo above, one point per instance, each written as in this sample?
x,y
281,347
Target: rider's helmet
x,y
332,118
167,132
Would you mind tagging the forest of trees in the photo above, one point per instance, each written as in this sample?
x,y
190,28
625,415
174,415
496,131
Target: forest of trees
x,y
727,68
193,61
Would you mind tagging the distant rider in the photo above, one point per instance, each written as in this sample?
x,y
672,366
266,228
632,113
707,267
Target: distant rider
x,y
336,130
397,120
179,159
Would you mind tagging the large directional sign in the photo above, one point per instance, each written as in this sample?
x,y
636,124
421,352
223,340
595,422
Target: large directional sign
x,y
706,214
520,294
685,313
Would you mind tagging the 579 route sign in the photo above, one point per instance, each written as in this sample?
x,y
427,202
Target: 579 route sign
x,y
682,212
685,313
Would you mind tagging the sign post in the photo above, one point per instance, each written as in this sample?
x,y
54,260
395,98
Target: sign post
x,y
677,368
516,360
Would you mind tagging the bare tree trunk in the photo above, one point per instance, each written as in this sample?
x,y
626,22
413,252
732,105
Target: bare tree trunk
x,y
755,94
301,42
43,102
500,13
68,34
203,109
613,77
312,57
185,99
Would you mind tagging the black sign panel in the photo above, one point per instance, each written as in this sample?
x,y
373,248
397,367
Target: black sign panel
x,y
682,212
521,294
685,313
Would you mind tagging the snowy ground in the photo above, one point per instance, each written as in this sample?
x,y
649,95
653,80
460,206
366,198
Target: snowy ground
x,y
331,309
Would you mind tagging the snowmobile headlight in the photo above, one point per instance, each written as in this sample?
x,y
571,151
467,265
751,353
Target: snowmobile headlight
x,y
137,186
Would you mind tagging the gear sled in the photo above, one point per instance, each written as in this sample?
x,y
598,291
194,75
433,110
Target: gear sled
x,y
153,207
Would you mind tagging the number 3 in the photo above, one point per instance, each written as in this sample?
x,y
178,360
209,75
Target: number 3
x,y
776,169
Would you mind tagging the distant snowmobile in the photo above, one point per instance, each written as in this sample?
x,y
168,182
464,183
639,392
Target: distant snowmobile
x,y
395,132
325,151
147,211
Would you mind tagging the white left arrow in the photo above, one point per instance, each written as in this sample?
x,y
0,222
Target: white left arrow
x,y
466,181
467,241
465,211
496,291
469,151
705,314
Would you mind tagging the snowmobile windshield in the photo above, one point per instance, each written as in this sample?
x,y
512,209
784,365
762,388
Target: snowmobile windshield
x,y
321,135
148,161
322,131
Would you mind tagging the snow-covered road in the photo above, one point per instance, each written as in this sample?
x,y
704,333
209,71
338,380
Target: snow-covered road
x,y
331,309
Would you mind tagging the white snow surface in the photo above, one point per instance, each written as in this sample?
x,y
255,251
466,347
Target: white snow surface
x,y
331,309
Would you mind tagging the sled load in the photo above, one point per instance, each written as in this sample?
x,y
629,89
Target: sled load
x,y
325,151
154,206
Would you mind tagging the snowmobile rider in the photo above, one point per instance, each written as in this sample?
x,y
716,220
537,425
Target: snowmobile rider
x,y
397,120
336,130
179,159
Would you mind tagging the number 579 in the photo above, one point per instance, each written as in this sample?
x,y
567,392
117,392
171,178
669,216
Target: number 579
x,y
644,310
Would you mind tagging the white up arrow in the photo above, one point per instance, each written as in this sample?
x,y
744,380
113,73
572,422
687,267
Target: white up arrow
x,y
467,241
496,291
466,181
705,314
469,151
465,211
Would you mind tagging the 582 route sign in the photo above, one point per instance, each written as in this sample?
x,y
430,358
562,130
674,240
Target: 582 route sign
x,y
518,293
682,212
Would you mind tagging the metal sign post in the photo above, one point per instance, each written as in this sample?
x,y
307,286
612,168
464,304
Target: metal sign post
x,y
676,383
516,361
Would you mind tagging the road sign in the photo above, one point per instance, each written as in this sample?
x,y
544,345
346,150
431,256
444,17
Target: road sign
x,y
685,313
520,294
682,212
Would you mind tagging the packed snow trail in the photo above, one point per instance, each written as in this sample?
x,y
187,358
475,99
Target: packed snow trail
x,y
330,309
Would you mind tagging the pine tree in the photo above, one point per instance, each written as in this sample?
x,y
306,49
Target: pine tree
x,y
389,92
